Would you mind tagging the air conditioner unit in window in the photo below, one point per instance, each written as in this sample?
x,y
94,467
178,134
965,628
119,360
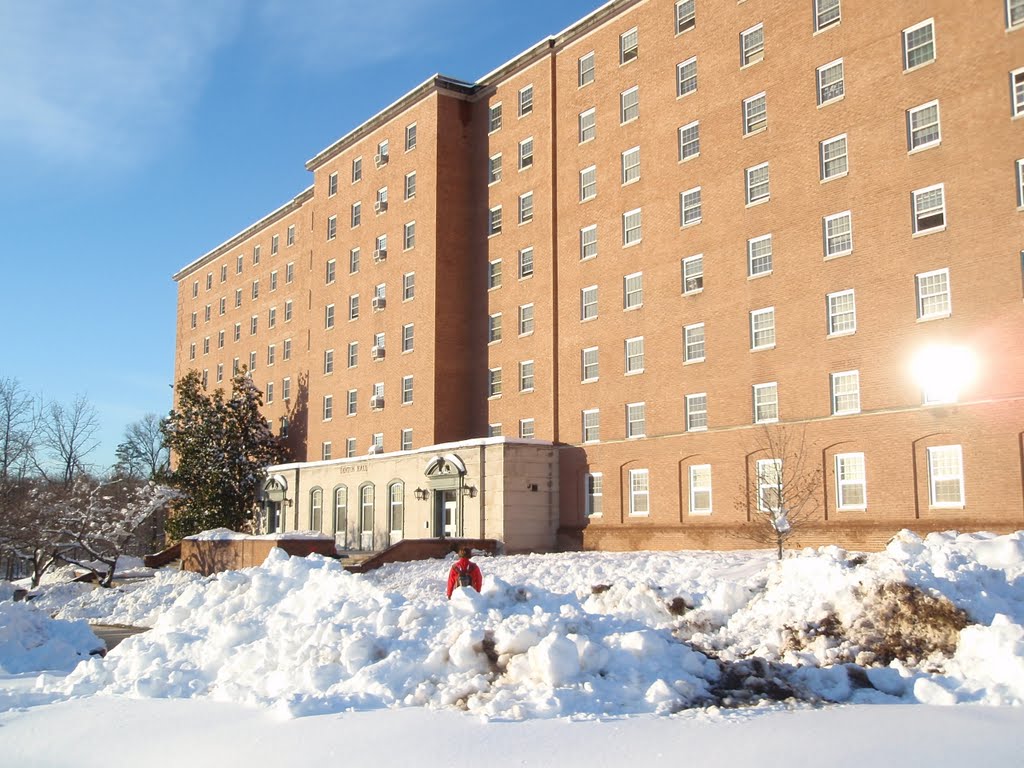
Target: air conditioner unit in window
x,y
377,353
378,303
380,206
379,255
381,158
377,402
375,449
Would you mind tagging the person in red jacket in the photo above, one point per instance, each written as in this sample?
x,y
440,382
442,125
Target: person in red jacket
x,y
464,573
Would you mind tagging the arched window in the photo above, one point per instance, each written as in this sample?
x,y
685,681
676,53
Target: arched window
x,y
316,509
340,508
366,516
396,509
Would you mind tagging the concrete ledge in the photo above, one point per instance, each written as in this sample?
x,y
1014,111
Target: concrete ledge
x,y
208,556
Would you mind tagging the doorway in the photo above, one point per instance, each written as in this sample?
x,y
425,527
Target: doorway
x,y
446,506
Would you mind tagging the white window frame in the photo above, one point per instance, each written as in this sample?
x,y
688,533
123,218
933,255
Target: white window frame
x,y
591,432
494,169
686,81
822,21
694,343
588,242
628,112
757,191
639,493
832,238
632,235
527,371
588,303
588,183
1014,7
526,319
328,407
407,390
919,280
586,365
494,221
837,94
587,125
527,429
823,149
410,137
526,263
633,356
751,52
693,412
937,474
494,328
593,494
494,118
525,100
585,70
690,209
1020,183
632,410
526,208
689,276
698,487
633,296
912,113
686,15
851,472
686,144
352,402
917,214
1017,92
494,387
629,46
332,184
630,165
406,444
526,153
769,477
766,396
493,274
755,114
840,387
907,66
767,333
761,263
841,322
409,191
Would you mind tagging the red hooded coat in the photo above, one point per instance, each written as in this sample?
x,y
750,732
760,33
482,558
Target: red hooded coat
x,y
464,565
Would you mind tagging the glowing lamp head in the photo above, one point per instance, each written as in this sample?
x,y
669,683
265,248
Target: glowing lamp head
x,y
943,371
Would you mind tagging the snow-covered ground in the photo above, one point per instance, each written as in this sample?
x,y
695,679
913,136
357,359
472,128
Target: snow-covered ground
x,y
579,659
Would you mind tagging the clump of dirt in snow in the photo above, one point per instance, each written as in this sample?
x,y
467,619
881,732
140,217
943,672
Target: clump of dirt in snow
x,y
898,621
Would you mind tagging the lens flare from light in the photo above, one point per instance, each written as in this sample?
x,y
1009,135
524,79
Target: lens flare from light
x,y
943,371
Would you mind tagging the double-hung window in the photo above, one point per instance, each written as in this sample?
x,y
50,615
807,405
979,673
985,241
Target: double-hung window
x,y
923,127
929,207
588,303
766,403
632,231
693,343
588,183
689,207
686,76
526,101
631,165
842,313
686,15
946,476
831,82
826,13
833,157
693,273
591,426
585,69
838,233
689,141
594,494
752,45
639,492
629,46
919,44
526,153
636,420
697,412
933,294
762,328
587,125
629,104
589,364
635,355
759,256
755,114
851,481
757,184
845,393
700,489
526,207
588,242
633,291
525,263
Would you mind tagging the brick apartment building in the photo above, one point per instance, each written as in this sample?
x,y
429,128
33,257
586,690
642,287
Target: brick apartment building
x,y
567,304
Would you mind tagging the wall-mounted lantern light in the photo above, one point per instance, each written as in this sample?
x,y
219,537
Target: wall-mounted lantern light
x,y
469,490
421,494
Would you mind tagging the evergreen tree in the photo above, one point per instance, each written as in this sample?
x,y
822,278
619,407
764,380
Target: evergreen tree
x,y
221,447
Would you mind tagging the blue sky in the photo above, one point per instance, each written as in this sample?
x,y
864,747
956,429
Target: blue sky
x,y
134,137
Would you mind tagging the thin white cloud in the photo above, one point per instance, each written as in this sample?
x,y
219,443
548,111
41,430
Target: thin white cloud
x,y
103,80
339,35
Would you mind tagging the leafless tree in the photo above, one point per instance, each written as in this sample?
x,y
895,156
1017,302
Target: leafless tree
x,y
17,434
68,434
780,496
142,454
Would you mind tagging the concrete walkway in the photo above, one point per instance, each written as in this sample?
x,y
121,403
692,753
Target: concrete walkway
x,y
112,634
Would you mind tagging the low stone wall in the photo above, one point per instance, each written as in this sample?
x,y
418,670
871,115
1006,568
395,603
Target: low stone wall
x,y
423,549
208,556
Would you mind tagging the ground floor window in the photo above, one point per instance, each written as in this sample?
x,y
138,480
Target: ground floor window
x,y
946,476
639,492
594,483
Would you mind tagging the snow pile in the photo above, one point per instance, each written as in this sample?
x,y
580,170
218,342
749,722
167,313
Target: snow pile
x,y
137,604
938,620
30,641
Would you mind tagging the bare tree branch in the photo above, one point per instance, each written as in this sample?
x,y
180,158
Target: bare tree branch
x,y
69,436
